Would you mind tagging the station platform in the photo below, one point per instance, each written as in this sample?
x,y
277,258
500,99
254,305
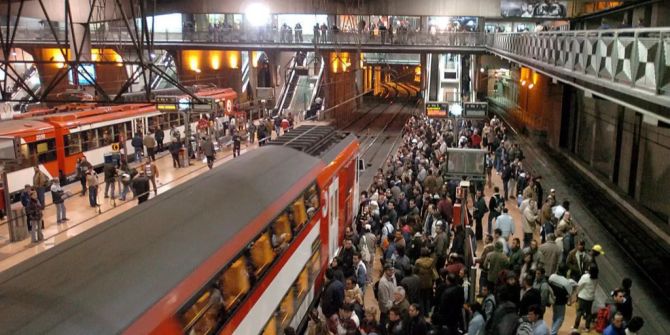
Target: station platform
x,y
615,264
83,217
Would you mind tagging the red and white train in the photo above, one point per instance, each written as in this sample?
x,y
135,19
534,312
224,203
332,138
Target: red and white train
x,y
56,138
240,249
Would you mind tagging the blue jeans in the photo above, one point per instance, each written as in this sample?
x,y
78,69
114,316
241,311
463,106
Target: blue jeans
x,y
138,154
124,191
40,194
557,318
60,212
93,195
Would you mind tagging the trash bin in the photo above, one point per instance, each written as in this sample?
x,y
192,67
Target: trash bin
x,y
112,157
182,157
18,225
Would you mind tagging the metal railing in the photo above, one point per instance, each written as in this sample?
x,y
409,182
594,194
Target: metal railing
x,y
621,59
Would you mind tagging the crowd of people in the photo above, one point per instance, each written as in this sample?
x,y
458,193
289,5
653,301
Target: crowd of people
x,y
406,221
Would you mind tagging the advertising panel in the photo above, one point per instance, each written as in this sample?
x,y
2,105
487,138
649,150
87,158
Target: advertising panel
x,y
534,8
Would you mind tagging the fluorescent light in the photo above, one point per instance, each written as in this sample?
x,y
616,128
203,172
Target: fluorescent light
x,y
530,87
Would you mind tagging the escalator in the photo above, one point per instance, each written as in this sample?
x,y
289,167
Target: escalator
x,y
303,82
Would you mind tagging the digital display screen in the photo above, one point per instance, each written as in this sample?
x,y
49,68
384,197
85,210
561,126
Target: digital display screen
x,y
85,75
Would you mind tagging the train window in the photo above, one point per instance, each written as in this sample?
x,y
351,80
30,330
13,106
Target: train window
x,y
129,130
315,265
118,131
261,253
72,144
281,232
299,213
44,151
311,197
271,327
205,313
302,283
234,283
286,309
106,135
89,140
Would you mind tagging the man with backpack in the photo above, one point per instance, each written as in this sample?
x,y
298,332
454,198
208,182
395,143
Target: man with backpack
x,y
562,288
496,204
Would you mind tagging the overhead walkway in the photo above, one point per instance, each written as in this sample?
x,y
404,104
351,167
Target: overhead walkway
x,y
630,65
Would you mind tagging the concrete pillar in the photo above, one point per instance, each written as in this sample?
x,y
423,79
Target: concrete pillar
x,y
660,14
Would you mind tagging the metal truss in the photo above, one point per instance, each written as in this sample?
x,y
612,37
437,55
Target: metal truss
x,y
139,54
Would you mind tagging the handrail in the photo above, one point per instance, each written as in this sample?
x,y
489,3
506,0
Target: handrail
x,y
286,87
317,85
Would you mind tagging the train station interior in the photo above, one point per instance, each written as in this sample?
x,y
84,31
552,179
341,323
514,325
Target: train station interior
x,y
337,167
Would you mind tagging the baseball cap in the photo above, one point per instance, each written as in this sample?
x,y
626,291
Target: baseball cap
x,y
598,248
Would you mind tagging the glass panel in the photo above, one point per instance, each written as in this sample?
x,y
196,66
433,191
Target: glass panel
x,y
195,310
235,283
209,319
261,253
72,144
299,214
311,197
106,135
281,232
286,309
302,283
655,176
271,327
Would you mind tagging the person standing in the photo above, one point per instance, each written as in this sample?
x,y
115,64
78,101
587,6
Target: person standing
x,y
562,288
150,143
209,151
151,172
41,184
110,179
175,147
586,294
58,198
126,176
529,218
496,204
92,181
505,223
141,187
34,216
138,145
82,170
479,210
237,143
160,136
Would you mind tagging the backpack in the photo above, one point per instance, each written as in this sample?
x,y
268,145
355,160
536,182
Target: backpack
x,y
505,320
499,204
551,299
525,328
602,320
561,294
365,252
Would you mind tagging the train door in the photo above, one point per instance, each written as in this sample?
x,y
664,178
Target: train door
x,y
333,217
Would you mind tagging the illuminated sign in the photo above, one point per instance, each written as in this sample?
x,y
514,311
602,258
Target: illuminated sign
x,y
437,109
476,109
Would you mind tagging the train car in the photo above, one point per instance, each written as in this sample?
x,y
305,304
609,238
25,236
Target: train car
x,y
55,138
240,249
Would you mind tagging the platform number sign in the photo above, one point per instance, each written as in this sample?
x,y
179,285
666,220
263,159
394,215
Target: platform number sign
x,y
229,106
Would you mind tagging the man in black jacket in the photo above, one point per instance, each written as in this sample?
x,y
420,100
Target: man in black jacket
x,y
416,324
141,187
451,305
333,295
